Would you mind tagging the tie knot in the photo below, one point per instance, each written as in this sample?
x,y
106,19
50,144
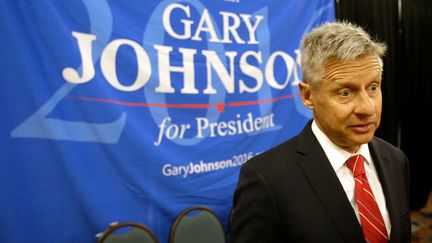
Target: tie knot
x,y
356,164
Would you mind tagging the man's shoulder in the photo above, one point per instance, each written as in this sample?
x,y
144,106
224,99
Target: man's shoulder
x,y
281,154
284,155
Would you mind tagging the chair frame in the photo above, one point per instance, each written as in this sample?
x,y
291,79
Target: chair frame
x,y
185,212
117,225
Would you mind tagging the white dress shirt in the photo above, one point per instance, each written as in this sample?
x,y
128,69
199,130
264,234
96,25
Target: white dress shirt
x,y
338,157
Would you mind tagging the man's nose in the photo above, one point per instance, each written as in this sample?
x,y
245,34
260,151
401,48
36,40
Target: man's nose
x,y
365,104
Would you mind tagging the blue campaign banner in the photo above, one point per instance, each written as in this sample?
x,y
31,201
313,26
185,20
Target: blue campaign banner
x,y
136,110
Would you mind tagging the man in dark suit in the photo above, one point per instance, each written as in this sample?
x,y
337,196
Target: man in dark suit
x,y
304,190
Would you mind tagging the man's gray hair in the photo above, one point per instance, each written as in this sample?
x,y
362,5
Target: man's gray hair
x,y
340,40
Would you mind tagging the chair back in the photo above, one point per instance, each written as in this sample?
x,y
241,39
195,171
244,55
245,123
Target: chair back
x,y
197,224
127,232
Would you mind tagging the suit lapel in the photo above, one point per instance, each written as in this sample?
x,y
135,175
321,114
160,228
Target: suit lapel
x,y
330,192
384,170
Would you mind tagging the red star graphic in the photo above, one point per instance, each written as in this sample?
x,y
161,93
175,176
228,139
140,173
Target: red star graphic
x,y
220,107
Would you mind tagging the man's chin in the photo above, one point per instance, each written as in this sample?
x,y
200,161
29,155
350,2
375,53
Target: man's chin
x,y
363,138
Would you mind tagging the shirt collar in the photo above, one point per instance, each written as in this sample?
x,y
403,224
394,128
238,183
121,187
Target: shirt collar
x,y
336,155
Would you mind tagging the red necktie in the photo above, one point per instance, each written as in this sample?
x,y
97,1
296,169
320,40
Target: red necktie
x,y
371,219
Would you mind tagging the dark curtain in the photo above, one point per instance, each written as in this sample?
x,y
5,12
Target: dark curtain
x,y
406,85
416,95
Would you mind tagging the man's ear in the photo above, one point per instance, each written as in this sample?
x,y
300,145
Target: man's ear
x,y
305,91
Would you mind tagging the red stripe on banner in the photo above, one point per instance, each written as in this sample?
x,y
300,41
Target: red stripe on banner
x,y
137,104
256,102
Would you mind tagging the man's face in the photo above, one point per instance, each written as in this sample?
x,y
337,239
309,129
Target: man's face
x,y
347,102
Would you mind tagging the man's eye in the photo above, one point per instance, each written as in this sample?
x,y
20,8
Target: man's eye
x,y
373,88
345,92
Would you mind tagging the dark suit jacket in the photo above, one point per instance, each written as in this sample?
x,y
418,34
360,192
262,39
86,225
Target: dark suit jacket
x,y
292,194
